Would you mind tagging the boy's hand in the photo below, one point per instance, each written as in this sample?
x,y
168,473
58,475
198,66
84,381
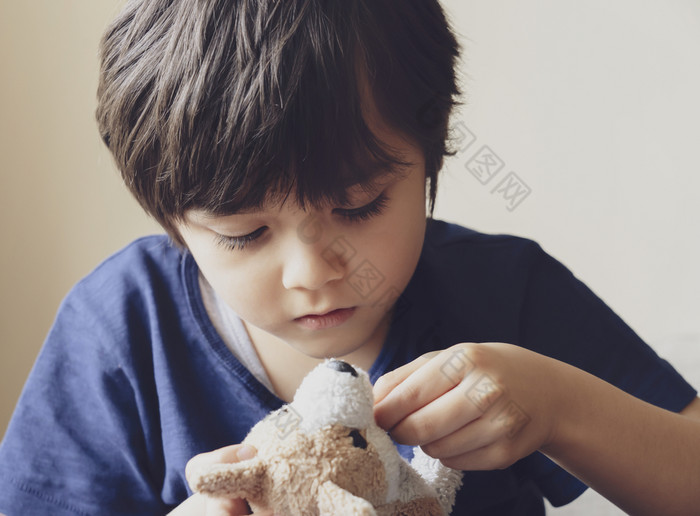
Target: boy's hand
x,y
201,505
474,406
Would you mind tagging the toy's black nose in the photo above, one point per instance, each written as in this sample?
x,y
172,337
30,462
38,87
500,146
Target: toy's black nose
x,y
341,366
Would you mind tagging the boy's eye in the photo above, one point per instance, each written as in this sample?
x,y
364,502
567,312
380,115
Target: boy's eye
x,y
359,214
239,242
365,212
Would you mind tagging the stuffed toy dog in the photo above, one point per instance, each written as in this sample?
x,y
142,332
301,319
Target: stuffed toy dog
x,y
323,454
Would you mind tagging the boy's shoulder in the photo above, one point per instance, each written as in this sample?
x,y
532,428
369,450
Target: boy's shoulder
x,y
150,267
479,279
136,293
440,233
446,242
144,257
144,250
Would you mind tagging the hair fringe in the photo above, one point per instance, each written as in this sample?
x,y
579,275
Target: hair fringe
x,y
219,104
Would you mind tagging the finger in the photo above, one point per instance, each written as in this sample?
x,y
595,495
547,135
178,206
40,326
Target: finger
x,y
386,383
487,458
226,507
471,437
421,387
438,419
203,505
490,442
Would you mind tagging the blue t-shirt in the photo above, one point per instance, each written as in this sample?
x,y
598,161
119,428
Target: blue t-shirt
x,y
133,379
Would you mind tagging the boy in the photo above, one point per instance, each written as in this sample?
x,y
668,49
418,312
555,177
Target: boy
x,y
288,149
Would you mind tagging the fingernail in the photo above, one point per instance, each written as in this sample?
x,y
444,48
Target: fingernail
x,y
245,452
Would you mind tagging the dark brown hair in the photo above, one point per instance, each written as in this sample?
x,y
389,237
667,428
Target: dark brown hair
x,y
219,104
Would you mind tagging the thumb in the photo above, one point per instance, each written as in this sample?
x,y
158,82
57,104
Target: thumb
x,y
226,455
225,507
386,383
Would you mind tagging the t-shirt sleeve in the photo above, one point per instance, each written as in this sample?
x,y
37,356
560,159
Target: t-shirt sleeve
x,y
76,444
564,319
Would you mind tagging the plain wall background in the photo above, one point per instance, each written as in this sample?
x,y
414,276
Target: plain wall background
x,y
593,105
62,207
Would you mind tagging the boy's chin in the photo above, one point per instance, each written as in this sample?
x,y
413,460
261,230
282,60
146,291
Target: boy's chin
x,y
321,350
344,343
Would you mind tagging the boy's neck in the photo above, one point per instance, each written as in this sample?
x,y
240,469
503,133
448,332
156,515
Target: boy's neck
x,y
286,367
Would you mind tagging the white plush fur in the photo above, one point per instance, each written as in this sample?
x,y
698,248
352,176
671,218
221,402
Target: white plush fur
x,y
334,459
445,480
328,396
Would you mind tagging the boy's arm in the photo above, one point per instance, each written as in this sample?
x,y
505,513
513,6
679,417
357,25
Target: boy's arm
x,y
643,458
692,410
507,402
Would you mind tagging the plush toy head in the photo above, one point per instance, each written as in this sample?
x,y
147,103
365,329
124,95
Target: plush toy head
x,y
323,454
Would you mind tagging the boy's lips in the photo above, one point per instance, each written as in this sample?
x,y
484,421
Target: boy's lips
x,y
327,320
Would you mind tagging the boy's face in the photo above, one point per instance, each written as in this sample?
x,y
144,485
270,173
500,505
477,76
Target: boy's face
x,y
321,281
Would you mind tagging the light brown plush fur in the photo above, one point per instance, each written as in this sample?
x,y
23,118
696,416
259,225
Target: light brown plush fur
x,y
323,454
329,472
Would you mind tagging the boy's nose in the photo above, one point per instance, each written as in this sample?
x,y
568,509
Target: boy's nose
x,y
310,266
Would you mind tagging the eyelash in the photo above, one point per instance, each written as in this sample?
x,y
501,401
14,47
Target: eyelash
x,y
354,215
366,212
239,242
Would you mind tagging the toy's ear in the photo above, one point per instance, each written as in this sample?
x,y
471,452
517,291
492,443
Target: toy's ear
x,y
334,500
239,480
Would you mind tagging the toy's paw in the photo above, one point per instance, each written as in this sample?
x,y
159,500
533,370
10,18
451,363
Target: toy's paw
x,y
334,500
446,481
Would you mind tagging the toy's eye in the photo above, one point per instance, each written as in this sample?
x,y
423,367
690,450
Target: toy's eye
x,y
357,440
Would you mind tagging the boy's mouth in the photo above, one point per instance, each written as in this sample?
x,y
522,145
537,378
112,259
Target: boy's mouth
x,y
328,320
